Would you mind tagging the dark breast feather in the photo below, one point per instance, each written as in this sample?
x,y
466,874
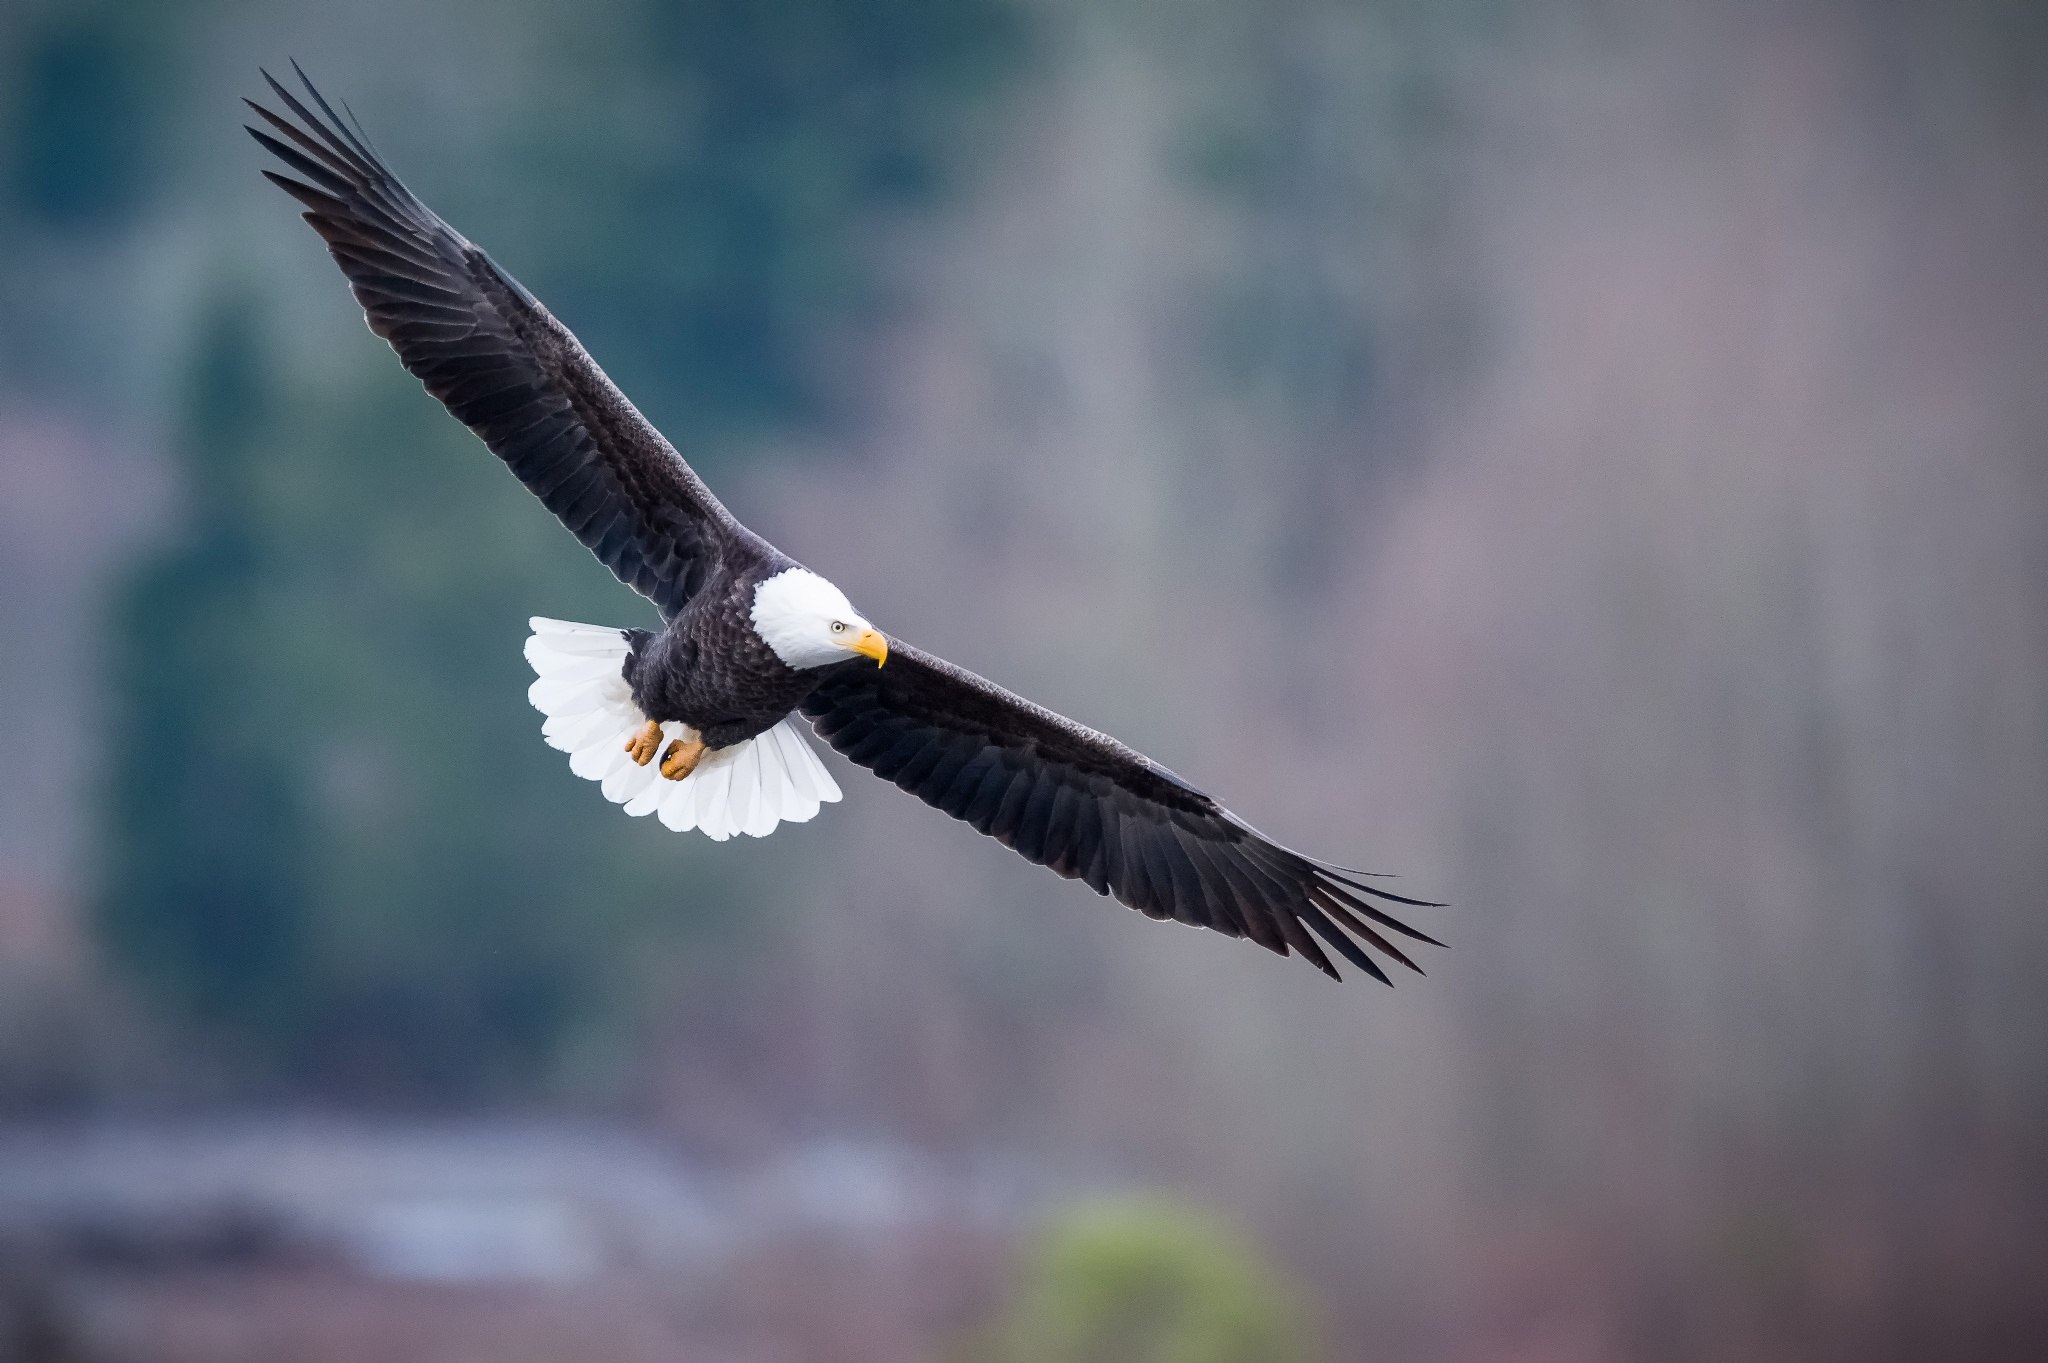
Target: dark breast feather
x,y
1066,797
501,363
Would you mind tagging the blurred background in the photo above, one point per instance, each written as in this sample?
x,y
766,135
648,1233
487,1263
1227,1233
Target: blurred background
x,y
1613,440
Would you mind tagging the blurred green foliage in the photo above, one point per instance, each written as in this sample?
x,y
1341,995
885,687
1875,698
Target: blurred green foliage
x,y
209,837
733,204
82,153
334,840
1146,1281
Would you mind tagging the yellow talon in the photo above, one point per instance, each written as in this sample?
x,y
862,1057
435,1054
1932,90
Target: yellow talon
x,y
682,758
643,744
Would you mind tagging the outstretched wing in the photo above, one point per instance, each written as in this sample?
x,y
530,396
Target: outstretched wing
x,y
500,362
1067,797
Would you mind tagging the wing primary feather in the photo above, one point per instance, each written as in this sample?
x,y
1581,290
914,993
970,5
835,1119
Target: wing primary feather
x,y
385,255
1339,890
1312,894
1270,897
1297,937
305,140
1334,935
291,101
1349,921
334,121
1356,880
305,165
355,126
315,202
1285,915
1389,895
1287,884
1253,901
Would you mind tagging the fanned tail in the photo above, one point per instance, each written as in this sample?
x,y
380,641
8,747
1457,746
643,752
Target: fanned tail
x,y
751,787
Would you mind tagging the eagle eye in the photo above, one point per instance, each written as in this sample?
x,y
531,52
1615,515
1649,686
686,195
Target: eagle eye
x,y
839,627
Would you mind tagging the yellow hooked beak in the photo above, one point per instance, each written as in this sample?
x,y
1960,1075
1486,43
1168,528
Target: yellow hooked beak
x,y
872,644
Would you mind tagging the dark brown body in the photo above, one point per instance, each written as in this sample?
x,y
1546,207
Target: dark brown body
x,y
711,671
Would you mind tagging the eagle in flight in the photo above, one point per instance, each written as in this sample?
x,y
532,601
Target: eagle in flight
x,y
696,722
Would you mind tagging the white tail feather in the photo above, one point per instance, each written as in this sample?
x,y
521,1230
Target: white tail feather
x,y
752,787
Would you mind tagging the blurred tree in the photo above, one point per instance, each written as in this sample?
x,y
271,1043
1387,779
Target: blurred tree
x,y
81,123
86,102
1146,1281
206,845
1321,129
730,176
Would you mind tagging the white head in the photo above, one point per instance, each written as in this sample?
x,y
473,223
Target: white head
x,y
809,622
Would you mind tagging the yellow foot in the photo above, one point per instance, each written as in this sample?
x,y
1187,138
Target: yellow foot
x,y
682,758
643,744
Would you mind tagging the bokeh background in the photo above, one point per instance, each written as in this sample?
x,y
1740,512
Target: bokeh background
x,y
1591,458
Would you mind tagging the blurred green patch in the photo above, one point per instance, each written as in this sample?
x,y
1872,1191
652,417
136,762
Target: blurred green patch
x,y
83,119
1145,1280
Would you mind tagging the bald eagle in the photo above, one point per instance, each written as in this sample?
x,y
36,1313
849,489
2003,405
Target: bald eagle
x,y
696,722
